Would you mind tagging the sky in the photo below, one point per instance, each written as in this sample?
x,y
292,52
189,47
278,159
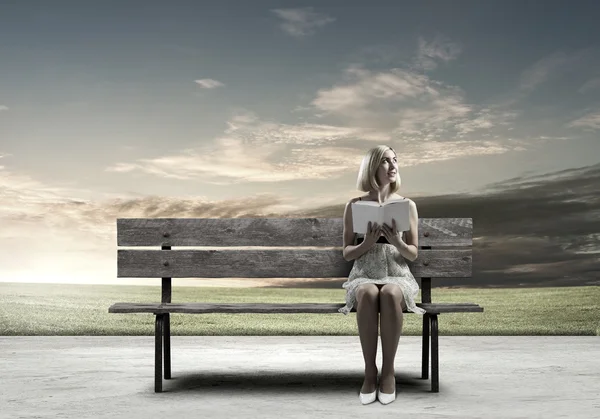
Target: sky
x,y
265,108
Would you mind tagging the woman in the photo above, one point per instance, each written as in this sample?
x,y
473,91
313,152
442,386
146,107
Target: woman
x,y
380,280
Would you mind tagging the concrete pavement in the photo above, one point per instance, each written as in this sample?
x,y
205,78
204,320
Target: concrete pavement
x,y
296,377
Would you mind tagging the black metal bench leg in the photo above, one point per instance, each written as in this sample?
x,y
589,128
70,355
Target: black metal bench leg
x,y
158,337
425,359
435,376
167,345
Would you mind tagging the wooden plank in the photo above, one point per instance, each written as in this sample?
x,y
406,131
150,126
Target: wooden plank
x,y
274,263
437,308
201,308
267,232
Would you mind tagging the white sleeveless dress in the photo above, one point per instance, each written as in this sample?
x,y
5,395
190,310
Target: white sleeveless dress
x,y
381,264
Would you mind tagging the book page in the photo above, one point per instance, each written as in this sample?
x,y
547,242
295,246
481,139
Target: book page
x,y
363,212
398,210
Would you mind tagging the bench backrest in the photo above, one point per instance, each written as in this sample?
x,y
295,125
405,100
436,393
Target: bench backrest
x,y
312,249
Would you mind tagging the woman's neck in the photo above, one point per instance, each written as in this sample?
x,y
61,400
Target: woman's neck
x,y
380,195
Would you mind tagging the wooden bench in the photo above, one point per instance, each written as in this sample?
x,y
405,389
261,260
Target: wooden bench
x,y
444,252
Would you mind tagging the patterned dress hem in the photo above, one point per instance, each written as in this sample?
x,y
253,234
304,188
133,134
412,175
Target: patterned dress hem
x,y
407,290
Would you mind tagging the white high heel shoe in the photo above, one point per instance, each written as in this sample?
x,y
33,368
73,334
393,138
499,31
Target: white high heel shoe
x,y
386,398
367,398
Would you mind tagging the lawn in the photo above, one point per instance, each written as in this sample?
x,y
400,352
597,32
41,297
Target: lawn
x,y
68,310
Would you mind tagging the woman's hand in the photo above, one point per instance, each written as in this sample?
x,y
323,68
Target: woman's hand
x,y
393,236
372,235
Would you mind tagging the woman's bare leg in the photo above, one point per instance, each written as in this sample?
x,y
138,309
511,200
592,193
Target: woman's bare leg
x,y
391,302
367,313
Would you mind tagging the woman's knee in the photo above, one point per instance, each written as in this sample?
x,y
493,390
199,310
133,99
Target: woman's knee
x,y
368,291
392,292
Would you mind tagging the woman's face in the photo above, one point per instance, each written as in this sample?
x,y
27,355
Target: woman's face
x,y
388,169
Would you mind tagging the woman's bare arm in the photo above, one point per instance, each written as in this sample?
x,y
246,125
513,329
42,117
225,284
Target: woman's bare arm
x,y
351,251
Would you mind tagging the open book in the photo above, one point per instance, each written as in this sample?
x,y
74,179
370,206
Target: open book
x,y
373,211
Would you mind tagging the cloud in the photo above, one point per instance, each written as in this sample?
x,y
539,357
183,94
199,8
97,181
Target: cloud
x,y
301,22
405,104
27,200
252,151
484,119
368,87
428,55
209,83
3,108
541,227
441,49
590,120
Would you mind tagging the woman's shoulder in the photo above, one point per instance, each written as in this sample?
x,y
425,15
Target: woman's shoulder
x,y
358,198
397,196
404,197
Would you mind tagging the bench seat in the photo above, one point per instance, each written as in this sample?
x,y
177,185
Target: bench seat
x,y
199,308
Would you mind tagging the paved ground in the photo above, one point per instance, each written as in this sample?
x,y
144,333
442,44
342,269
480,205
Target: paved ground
x,y
296,377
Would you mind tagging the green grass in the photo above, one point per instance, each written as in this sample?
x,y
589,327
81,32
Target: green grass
x,y
69,310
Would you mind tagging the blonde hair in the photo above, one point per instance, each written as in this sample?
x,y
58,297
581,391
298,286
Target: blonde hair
x,y
367,173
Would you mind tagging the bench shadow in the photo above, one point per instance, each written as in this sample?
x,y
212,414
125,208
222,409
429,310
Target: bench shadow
x,y
285,382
